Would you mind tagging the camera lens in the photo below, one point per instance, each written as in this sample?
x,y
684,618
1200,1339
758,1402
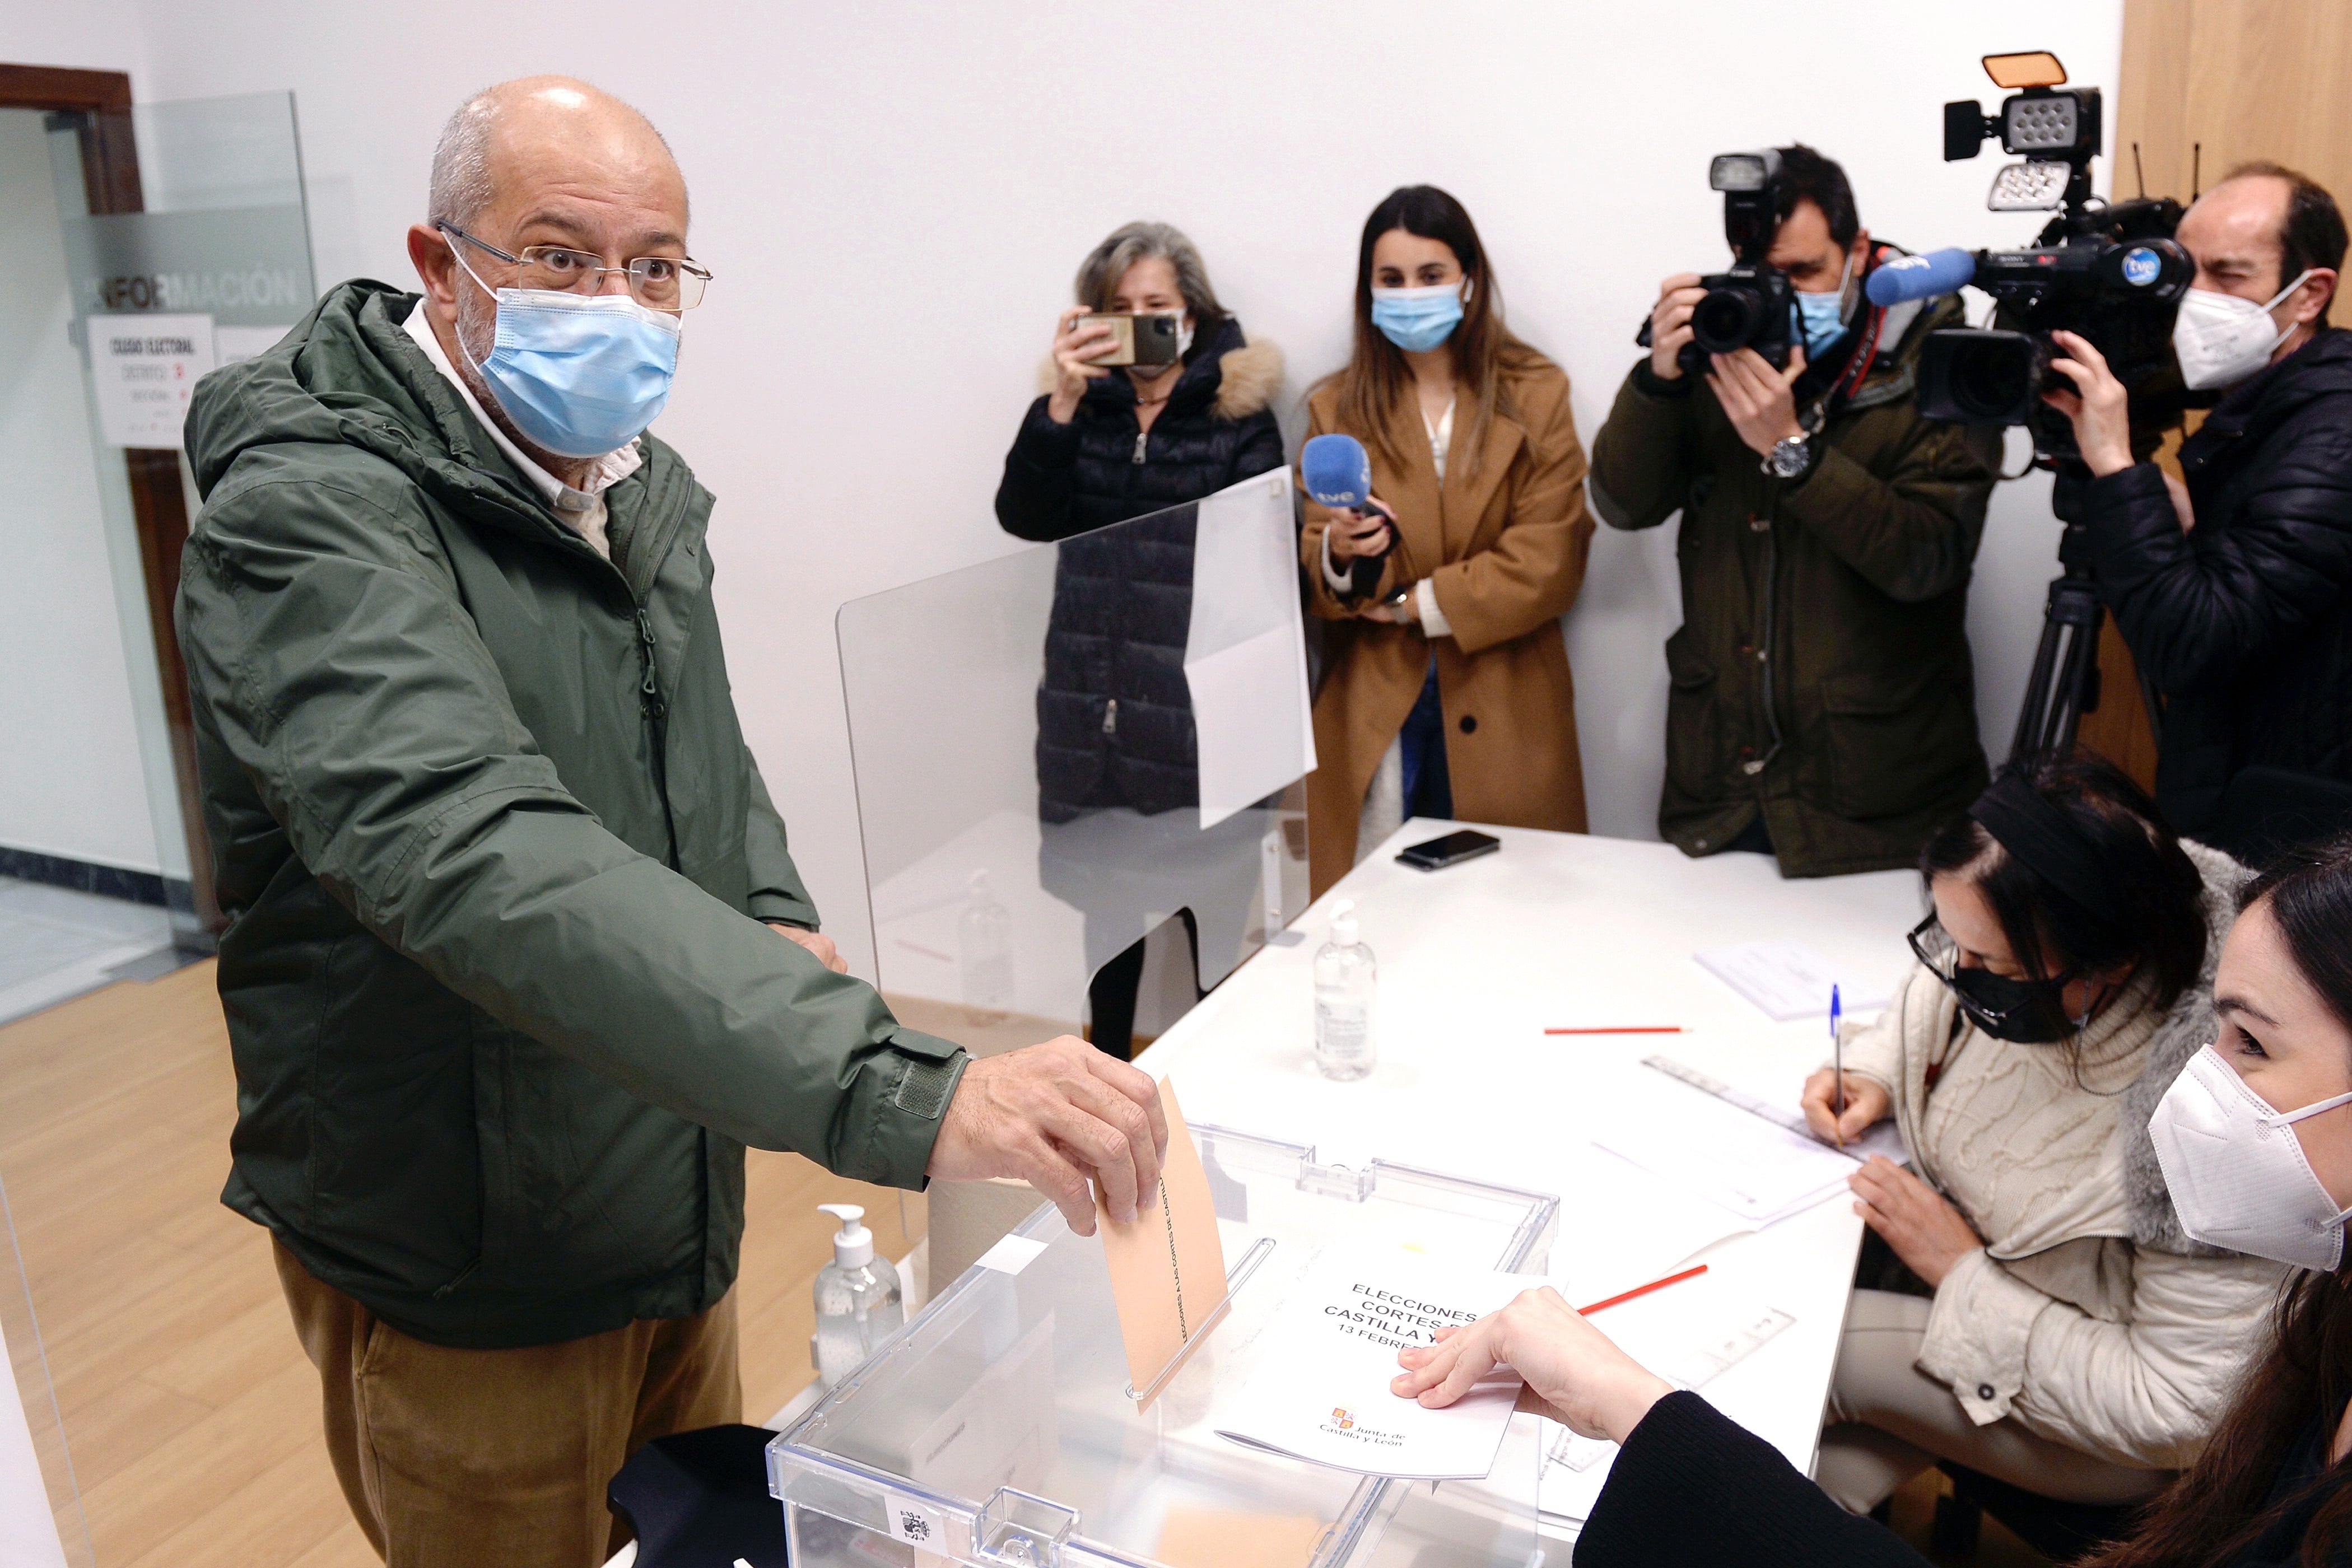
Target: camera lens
x,y
1998,380
1724,320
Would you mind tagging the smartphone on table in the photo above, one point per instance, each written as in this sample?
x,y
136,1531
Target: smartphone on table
x,y
1436,855
1137,340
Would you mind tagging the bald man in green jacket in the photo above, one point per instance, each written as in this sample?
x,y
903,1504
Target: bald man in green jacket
x,y
517,959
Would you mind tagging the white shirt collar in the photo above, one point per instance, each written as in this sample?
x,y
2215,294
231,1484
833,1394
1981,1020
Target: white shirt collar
x,y
569,503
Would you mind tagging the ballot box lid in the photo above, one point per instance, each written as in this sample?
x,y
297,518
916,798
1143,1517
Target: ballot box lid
x,y
1002,1424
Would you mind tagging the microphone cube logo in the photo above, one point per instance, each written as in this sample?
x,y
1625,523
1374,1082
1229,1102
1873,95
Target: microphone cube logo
x,y
1343,1419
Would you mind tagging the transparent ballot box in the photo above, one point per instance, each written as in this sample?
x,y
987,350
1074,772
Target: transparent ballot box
x,y
1078,750
1000,1427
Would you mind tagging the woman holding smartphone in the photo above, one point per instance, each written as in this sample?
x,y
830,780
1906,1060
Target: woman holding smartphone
x,y
1105,444
2255,1141
1447,690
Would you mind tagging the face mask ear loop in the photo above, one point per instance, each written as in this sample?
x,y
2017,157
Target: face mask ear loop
x,y
456,329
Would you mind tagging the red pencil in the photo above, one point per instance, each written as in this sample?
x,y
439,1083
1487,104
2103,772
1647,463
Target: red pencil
x,y
1629,1028
1689,1273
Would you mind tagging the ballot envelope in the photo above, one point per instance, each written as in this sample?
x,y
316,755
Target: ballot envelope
x,y
1002,1426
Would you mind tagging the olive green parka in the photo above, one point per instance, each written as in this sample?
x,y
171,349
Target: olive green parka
x,y
1821,674
496,858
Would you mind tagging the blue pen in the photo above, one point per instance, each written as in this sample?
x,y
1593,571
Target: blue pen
x,y
1837,1060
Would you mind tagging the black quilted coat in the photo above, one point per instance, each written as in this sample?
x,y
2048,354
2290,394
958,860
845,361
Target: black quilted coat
x,y
2244,623
1114,714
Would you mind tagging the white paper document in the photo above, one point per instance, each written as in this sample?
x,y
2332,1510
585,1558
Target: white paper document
x,y
1320,1389
1245,649
1790,980
1880,1138
1757,1169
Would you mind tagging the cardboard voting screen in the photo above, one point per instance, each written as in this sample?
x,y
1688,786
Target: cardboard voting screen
x,y
1168,1266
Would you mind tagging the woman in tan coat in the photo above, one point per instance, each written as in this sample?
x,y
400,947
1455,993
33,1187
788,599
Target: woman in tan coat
x,y
1446,690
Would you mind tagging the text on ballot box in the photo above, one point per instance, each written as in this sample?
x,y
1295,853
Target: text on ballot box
x,y
144,369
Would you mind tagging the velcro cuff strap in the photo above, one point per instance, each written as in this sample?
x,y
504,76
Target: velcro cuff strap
x,y
926,1086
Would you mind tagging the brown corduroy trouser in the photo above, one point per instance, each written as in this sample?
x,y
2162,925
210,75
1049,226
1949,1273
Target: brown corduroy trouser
x,y
454,1457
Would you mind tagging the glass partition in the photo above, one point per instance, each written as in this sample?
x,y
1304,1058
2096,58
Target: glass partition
x,y
40,1508
1063,751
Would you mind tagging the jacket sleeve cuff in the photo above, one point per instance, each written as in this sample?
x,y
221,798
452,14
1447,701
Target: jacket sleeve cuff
x,y
1043,444
1337,582
1434,622
2114,505
1976,1335
781,909
903,1094
1651,384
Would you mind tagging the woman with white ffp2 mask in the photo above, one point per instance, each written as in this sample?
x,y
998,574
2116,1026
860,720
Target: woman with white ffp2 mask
x,y
2268,1489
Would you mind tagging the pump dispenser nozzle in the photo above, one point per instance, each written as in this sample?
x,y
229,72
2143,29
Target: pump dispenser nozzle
x,y
1343,923
853,1244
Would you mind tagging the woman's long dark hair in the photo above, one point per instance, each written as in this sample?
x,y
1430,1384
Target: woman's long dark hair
x,y
1377,380
2208,1517
2156,920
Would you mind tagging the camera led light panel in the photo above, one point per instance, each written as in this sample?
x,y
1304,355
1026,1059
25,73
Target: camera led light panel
x,y
1738,171
2028,187
2030,124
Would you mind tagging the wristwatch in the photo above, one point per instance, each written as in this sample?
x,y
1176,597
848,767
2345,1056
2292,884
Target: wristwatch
x,y
1788,457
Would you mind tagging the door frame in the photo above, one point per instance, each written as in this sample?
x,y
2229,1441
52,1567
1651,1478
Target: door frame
x,y
159,506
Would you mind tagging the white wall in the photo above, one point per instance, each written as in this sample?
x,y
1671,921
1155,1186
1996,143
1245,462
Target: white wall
x,y
75,783
894,198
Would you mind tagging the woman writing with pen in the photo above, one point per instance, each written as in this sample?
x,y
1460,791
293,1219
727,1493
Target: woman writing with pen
x,y
2039,1318
2254,1141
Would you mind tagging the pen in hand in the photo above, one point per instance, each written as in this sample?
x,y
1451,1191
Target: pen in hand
x,y
1837,1074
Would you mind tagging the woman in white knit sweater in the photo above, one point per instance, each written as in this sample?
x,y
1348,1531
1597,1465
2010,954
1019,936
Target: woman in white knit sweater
x,y
2077,1344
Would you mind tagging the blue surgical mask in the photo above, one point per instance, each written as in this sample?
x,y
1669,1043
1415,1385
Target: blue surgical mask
x,y
1418,319
580,374
1821,318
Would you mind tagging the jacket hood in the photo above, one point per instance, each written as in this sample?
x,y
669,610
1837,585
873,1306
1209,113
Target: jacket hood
x,y
2186,1029
1894,372
349,375
1233,377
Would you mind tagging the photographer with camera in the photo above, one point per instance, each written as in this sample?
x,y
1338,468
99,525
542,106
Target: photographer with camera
x,y
1823,705
2231,590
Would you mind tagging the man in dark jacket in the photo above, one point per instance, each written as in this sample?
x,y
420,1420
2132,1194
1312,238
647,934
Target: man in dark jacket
x,y
2234,593
1821,701
497,860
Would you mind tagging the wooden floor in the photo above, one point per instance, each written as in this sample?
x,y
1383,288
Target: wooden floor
x,y
190,1413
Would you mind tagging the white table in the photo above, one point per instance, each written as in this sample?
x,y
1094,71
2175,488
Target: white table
x,y
1560,929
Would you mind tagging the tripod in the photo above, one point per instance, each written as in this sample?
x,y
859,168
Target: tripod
x,y
2064,684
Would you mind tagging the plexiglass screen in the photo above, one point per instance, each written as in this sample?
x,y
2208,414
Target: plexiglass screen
x,y
1066,749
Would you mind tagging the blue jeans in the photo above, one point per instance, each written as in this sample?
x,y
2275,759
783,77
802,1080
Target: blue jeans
x,y
1428,791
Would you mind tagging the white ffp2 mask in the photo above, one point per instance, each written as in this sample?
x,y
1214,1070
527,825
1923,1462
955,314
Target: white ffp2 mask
x,y
2236,1172
2222,340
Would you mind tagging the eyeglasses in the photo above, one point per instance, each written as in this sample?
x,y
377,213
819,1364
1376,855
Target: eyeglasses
x,y
656,282
1941,955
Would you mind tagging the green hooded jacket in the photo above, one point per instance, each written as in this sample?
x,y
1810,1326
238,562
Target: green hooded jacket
x,y
1820,676
495,857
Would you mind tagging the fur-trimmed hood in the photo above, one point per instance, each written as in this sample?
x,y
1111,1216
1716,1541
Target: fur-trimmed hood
x,y
1246,377
2187,1029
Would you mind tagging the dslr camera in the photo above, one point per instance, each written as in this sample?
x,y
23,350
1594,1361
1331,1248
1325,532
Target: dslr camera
x,y
2112,273
1750,306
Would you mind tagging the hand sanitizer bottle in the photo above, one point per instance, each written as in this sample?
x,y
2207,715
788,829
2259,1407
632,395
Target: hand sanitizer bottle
x,y
984,947
858,1300
1344,976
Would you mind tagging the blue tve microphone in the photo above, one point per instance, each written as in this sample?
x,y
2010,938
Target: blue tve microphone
x,y
1338,472
1924,277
